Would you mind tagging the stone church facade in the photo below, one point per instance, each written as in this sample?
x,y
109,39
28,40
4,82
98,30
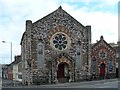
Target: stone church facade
x,y
56,48
103,60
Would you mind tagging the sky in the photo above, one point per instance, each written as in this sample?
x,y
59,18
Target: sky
x,y
102,15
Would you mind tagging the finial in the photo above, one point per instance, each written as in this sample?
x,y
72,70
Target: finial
x,y
101,38
60,7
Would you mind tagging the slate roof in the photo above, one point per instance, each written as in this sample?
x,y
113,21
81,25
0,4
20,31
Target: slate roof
x,y
17,59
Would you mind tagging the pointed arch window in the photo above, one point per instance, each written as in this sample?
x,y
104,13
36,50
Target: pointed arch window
x,y
40,54
110,65
94,65
78,55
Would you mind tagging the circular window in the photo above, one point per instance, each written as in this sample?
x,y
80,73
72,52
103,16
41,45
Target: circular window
x,y
102,54
60,41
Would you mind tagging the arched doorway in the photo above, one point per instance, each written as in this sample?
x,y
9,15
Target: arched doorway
x,y
102,70
63,72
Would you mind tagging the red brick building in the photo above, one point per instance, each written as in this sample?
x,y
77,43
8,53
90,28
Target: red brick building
x,y
103,60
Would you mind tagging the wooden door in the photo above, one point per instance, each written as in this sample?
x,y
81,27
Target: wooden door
x,y
61,70
102,69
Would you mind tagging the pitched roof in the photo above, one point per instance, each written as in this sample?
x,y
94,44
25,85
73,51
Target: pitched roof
x,y
58,11
102,40
17,60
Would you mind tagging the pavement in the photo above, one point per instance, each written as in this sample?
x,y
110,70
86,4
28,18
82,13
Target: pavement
x,y
10,83
107,83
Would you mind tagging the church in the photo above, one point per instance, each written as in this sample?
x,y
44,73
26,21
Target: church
x,y
56,49
103,60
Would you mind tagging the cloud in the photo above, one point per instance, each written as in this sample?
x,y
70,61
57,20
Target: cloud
x,y
14,13
86,2
110,2
102,23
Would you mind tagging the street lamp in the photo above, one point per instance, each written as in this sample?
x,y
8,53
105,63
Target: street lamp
x,y
10,48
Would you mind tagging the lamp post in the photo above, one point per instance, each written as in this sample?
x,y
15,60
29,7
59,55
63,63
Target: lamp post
x,y
10,48
10,58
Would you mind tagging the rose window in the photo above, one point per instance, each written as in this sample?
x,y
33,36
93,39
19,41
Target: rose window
x,y
102,54
60,41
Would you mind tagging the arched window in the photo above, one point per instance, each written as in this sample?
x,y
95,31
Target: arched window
x,y
110,65
93,67
40,54
78,55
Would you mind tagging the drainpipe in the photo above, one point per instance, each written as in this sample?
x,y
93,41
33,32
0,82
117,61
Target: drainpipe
x,y
74,72
51,72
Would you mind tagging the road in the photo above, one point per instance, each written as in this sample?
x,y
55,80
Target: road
x,y
108,83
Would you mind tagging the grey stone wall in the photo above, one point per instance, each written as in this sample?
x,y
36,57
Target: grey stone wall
x,y
43,29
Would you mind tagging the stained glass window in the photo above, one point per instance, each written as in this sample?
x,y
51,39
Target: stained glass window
x,y
40,54
94,65
60,41
110,65
78,55
102,54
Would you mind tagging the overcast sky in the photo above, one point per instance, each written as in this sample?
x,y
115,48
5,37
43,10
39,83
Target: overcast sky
x,y
102,16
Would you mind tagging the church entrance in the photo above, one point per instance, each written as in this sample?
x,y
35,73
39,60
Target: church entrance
x,y
102,71
63,72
